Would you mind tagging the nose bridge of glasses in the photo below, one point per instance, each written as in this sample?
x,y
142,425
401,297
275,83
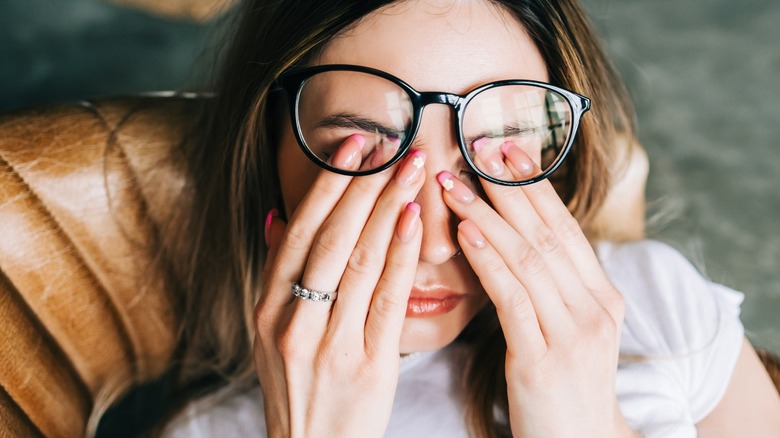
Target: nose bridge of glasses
x,y
429,97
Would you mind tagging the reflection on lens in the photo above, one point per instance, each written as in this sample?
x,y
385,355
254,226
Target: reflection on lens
x,y
334,105
535,119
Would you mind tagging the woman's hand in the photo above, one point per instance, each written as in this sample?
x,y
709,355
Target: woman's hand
x,y
559,313
331,369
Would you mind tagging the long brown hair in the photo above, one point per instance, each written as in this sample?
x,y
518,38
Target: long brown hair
x,y
234,177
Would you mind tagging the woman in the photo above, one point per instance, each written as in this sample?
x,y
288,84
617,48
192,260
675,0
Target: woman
x,y
453,238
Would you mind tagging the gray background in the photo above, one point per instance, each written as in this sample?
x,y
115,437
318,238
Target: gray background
x,y
704,78
703,75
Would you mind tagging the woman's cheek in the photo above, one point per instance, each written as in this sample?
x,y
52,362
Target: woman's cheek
x,y
296,172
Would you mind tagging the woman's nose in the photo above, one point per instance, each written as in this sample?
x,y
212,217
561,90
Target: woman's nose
x,y
436,137
439,239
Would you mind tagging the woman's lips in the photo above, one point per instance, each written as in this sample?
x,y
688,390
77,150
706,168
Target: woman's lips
x,y
424,303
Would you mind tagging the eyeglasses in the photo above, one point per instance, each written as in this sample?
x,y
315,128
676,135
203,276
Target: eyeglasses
x,y
329,103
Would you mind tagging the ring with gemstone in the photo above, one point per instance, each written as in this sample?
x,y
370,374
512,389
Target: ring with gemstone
x,y
312,295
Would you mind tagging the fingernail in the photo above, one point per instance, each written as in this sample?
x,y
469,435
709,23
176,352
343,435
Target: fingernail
x,y
346,157
479,144
411,168
519,159
471,234
494,162
268,219
410,220
359,139
456,188
489,159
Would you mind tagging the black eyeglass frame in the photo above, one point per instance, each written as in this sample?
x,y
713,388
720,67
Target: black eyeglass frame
x,y
292,83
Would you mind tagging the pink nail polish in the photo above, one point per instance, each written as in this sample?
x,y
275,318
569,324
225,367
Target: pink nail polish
x,y
479,144
519,159
409,221
488,159
268,219
348,156
471,234
359,139
411,168
456,188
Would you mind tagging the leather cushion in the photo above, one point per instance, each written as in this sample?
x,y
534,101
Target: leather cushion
x,y
85,310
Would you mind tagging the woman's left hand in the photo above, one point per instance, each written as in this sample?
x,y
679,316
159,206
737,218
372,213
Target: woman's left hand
x,y
560,315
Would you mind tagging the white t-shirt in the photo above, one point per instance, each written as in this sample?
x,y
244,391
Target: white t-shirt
x,y
686,329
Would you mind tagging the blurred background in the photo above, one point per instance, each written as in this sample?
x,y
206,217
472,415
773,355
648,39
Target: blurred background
x,y
703,75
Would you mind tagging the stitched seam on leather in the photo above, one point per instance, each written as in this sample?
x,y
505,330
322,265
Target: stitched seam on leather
x,y
23,415
57,229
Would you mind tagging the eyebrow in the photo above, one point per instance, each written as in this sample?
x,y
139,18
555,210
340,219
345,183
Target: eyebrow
x,y
353,121
509,130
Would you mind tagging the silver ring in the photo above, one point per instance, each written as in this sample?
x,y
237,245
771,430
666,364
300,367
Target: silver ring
x,y
313,295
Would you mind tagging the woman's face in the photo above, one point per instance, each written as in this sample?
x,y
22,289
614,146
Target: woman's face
x,y
437,45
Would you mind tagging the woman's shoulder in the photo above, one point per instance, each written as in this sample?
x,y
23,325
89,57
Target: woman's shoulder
x,y
671,307
680,341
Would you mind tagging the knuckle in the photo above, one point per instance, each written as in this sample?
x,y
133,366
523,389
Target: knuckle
x,y
364,260
332,190
569,229
369,373
529,260
261,317
493,266
520,307
329,242
615,304
601,325
286,344
545,240
263,327
386,304
298,235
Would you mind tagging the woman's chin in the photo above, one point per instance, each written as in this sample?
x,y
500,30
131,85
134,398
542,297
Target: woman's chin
x,y
430,333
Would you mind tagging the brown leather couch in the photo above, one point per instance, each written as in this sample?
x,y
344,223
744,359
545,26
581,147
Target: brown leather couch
x,y
85,190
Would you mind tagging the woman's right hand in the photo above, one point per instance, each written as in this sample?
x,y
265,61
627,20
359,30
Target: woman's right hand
x,y
331,369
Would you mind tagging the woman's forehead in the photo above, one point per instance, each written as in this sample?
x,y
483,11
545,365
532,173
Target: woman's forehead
x,y
451,45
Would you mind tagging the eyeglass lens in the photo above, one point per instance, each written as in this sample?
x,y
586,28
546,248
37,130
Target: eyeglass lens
x,y
333,105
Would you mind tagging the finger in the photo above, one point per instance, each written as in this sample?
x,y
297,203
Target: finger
x,y
378,157
524,331
368,259
387,312
336,244
515,207
522,259
316,206
545,200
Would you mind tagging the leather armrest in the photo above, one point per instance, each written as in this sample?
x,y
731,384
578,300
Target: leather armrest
x,y
85,309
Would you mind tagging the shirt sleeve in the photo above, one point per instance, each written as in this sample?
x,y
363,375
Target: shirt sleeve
x,y
680,341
